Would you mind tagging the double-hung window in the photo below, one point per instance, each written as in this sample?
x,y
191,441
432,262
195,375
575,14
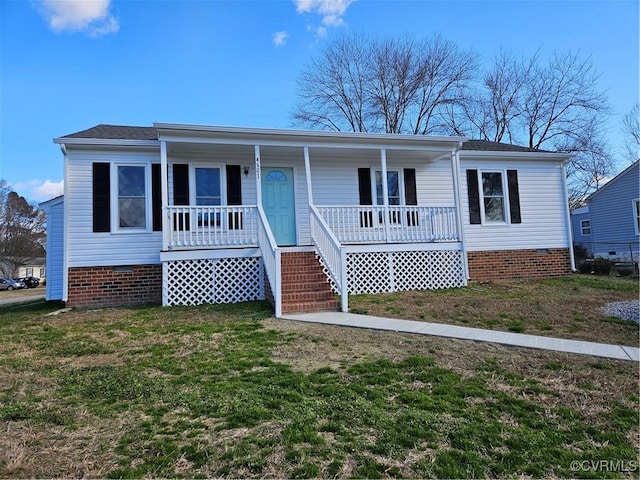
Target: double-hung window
x,y
393,193
636,214
208,192
131,197
585,226
494,197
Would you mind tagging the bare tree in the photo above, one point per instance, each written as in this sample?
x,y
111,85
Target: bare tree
x,y
333,88
21,231
425,87
631,130
389,85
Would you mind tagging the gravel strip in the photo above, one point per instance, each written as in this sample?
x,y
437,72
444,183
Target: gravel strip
x,y
629,310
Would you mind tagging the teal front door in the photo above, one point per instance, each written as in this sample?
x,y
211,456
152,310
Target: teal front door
x,y
279,204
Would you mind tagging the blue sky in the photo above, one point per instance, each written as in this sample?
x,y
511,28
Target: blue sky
x,y
67,65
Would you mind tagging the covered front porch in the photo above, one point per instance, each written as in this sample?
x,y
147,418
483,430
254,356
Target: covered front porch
x,y
361,203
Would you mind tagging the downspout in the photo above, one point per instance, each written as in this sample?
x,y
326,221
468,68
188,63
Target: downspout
x,y
455,169
568,216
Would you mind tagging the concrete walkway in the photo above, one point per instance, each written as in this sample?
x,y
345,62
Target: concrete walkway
x,y
465,333
24,299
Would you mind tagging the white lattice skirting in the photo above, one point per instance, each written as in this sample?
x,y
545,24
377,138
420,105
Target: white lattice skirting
x,y
212,280
379,272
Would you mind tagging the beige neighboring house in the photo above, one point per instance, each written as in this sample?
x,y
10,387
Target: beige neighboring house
x,y
34,268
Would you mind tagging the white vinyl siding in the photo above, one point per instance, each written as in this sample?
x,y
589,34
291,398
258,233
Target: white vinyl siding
x,y
542,206
86,248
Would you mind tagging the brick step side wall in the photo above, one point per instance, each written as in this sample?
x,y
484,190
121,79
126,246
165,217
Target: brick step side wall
x,y
99,287
304,284
519,264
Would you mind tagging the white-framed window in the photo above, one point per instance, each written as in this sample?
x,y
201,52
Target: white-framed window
x,y
585,225
208,190
492,195
394,187
636,215
395,192
29,272
131,197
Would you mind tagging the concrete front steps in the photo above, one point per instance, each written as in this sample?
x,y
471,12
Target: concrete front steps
x,y
305,288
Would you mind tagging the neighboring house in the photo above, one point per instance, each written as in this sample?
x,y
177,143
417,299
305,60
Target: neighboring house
x,y
607,226
187,214
36,267
54,209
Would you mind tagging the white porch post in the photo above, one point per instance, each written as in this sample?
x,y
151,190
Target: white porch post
x,y
385,194
166,220
307,171
455,172
164,189
258,175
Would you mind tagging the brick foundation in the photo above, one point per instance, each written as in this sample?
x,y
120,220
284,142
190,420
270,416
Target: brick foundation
x,y
519,264
114,286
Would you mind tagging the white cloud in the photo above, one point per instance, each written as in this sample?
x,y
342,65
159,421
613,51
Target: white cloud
x,y
88,16
331,11
280,38
36,190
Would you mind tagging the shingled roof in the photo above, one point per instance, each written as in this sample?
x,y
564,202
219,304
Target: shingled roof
x,y
123,132
116,132
488,146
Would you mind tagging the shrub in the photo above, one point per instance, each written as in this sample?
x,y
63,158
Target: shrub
x,y
602,266
586,266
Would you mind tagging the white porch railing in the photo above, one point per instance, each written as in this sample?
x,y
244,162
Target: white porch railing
x,y
332,253
392,224
213,226
271,259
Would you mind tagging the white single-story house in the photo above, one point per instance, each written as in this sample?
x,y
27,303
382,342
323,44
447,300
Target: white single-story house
x,y
35,267
608,223
187,214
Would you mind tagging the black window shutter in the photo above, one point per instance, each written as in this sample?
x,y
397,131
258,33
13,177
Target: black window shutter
x,y
234,185
514,196
366,196
156,197
410,191
474,196
234,195
101,197
180,184
181,221
410,195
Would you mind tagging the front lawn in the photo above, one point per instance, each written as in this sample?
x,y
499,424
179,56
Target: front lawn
x,y
228,391
566,307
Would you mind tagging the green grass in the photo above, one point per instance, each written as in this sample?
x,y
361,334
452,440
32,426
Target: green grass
x,y
176,392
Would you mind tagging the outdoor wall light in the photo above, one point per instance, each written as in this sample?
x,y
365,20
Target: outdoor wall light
x,y
246,171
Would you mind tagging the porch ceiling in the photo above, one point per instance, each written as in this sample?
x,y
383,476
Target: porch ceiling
x,y
316,153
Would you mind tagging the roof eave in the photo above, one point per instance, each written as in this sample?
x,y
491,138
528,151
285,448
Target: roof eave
x,y
107,142
564,157
168,131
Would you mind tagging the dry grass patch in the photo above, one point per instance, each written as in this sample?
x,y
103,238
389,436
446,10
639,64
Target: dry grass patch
x,y
565,307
